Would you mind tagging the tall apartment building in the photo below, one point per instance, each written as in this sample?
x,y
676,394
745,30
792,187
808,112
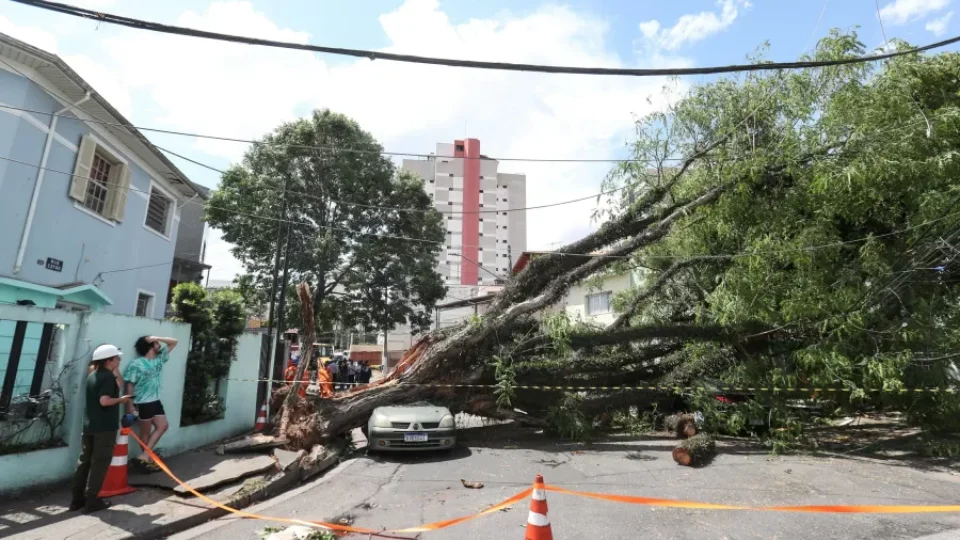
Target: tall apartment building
x,y
485,232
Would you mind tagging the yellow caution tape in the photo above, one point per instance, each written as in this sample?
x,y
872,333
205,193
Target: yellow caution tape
x,y
661,388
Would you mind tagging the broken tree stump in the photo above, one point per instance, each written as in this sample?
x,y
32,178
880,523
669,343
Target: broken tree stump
x,y
695,451
682,425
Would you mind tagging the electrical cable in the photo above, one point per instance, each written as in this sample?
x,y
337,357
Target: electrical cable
x,y
329,148
558,253
401,209
141,24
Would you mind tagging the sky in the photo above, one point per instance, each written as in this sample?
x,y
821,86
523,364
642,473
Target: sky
x,y
202,86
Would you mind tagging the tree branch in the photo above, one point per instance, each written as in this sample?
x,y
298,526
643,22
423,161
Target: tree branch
x,y
649,291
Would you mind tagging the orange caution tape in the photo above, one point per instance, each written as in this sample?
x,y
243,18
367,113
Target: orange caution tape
x,y
834,509
647,501
628,499
323,524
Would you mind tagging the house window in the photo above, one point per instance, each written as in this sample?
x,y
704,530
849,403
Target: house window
x,y
145,301
100,181
158,212
598,303
98,185
459,148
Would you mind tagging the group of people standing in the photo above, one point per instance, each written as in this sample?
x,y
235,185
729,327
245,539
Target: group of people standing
x,y
348,373
333,375
141,383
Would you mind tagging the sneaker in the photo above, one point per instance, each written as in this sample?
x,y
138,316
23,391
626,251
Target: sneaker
x,y
95,506
77,505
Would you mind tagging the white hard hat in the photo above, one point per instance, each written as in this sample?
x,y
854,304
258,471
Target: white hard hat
x,y
106,351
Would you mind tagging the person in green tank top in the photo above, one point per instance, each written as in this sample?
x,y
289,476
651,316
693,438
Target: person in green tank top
x,y
144,376
100,425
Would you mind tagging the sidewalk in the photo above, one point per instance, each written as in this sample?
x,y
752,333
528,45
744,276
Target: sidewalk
x,y
159,507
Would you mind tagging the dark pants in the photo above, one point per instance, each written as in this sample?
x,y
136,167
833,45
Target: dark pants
x,y
95,456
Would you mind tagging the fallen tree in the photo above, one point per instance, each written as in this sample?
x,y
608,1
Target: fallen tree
x,y
783,249
683,426
695,451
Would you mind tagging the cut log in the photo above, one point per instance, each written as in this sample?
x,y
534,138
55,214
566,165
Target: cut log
x,y
694,451
683,426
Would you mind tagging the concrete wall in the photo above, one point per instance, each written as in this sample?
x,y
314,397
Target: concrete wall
x,y
575,302
191,234
84,331
86,244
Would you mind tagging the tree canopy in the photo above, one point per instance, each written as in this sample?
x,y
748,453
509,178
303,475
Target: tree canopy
x,y
342,220
794,229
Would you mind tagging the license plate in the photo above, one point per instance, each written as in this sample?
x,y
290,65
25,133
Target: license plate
x,y
414,437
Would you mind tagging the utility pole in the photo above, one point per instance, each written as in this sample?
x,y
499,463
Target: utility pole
x,y
271,333
385,360
282,307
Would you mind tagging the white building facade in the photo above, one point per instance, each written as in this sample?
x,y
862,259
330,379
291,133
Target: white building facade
x,y
486,230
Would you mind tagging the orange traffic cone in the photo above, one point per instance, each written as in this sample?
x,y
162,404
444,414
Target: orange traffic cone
x,y
116,481
261,418
538,524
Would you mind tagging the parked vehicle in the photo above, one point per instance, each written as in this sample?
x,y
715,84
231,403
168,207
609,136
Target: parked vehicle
x,y
422,426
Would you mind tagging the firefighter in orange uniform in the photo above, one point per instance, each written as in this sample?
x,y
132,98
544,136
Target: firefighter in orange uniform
x,y
325,380
291,372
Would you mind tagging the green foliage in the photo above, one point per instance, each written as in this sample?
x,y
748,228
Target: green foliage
x,y
339,239
216,323
558,327
848,248
506,376
567,420
942,448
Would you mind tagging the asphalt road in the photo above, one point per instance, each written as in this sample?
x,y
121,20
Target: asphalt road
x,y
391,491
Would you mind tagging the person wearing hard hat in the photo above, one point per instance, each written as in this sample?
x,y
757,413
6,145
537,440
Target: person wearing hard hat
x,y
144,376
101,422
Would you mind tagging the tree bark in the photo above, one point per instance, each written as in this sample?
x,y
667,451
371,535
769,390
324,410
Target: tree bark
x,y
695,451
683,426
307,338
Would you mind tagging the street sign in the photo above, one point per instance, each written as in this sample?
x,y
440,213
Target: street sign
x,y
54,264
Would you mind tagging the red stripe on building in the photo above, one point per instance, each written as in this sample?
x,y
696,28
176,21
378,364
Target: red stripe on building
x,y
470,258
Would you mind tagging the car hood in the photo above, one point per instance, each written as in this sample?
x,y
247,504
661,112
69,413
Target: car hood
x,y
426,413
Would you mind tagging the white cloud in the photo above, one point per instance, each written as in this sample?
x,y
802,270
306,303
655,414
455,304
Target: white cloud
x,y
225,266
691,28
105,81
939,26
904,11
244,91
32,35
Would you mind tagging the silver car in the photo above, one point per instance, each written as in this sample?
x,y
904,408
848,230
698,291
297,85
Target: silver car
x,y
412,427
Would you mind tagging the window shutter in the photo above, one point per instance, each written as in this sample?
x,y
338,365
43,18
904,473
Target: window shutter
x,y
81,171
119,188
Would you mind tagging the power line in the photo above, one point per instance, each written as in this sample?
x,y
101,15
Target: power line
x,y
331,148
402,209
558,253
141,24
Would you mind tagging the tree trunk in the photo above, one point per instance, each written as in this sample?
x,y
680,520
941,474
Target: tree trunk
x,y
683,425
307,338
510,329
695,451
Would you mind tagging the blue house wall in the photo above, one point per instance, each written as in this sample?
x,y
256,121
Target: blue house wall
x,y
88,246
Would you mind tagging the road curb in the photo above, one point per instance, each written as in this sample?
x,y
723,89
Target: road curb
x,y
298,472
